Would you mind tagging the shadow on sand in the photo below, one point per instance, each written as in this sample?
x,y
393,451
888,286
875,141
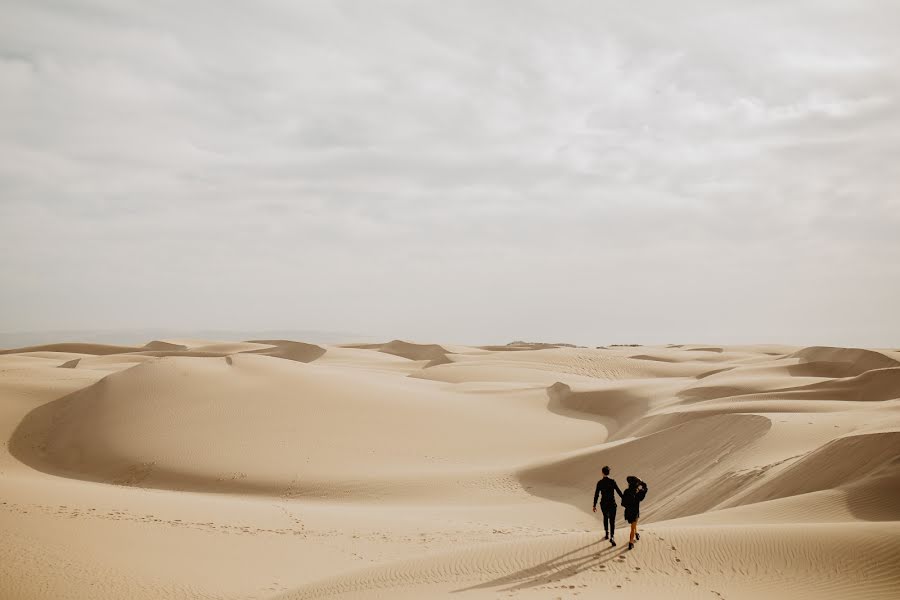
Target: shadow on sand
x,y
560,567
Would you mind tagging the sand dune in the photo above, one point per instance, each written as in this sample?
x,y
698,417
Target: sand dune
x,y
432,353
164,346
875,457
870,386
73,347
282,469
297,351
289,423
822,361
692,465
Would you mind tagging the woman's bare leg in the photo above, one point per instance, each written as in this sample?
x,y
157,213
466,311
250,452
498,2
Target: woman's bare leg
x,y
633,532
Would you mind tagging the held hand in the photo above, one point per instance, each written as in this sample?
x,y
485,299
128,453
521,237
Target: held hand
x,y
595,509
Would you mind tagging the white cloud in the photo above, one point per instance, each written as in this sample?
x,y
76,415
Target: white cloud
x,y
474,171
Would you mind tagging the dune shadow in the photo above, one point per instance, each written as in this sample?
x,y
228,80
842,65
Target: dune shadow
x,y
613,408
557,568
677,459
874,498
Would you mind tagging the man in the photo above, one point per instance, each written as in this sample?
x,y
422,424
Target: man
x,y
604,490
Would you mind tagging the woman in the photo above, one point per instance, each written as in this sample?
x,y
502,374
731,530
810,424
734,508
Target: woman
x,y
631,502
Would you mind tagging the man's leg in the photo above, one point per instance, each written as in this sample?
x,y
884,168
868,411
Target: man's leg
x,y
611,512
609,522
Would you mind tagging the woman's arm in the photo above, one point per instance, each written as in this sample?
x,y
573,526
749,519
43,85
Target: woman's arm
x,y
642,491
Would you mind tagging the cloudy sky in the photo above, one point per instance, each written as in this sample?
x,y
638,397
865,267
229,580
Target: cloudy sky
x,y
467,171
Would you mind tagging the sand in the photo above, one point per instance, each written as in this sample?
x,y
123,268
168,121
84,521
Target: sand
x,y
277,469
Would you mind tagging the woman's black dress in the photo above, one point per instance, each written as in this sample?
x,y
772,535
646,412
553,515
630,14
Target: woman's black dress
x,y
631,502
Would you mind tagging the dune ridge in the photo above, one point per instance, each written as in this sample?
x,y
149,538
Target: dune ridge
x,y
73,347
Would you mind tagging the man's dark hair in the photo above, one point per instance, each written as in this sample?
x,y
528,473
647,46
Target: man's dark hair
x,y
606,470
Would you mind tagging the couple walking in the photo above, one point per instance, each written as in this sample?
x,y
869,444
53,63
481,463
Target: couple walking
x,y
631,501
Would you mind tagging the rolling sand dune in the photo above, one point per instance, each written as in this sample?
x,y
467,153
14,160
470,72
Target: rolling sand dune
x,y
843,362
280,469
297,351
72,348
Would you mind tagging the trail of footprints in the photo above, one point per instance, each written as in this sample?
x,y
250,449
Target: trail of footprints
x,y
64,511
685,569
298,529
620,560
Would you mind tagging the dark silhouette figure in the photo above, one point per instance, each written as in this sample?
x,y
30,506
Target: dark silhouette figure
x,y
631,502
604,490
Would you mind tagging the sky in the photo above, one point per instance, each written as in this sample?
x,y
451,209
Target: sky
x,y
475,171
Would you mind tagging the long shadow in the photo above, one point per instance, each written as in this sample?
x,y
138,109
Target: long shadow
x,y
560,567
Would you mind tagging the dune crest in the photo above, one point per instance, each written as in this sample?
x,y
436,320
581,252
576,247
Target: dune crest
x,y
164,346
298,351
73,348
433,353
841,362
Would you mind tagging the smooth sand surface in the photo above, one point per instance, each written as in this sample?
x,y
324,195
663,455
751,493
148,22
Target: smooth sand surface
x,y
278,469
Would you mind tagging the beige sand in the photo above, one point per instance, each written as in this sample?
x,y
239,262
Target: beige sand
x,y
278,469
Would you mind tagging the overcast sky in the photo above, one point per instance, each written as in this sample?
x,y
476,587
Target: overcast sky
x,y
466,171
